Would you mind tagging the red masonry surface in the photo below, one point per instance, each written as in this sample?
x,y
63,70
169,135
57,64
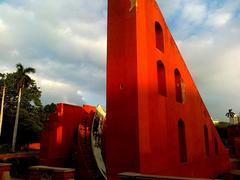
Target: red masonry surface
x,y
53,173
5,171
156,121
59,138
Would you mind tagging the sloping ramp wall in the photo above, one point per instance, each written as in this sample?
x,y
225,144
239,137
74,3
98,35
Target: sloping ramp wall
x,y
156,121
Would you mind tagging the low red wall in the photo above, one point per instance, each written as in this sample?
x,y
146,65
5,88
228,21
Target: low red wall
x,y
59,138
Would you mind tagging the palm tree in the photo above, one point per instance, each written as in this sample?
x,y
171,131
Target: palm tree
x,y
2,104
230,114
23,81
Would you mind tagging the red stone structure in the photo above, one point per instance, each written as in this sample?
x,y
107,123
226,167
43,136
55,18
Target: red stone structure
x,y
234,140
53,173
5,171
156,121
57,139
66,142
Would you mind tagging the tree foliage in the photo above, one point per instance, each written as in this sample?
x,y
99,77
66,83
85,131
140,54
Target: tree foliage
x,y
32,114
48,109
22,81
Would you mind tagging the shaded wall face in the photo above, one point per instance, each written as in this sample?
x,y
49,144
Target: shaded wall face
x,y
138,40
122,118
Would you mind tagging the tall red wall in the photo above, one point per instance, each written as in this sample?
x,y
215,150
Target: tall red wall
x,y
122,99
142,125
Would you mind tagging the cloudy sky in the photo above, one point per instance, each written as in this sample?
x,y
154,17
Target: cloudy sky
x,y
66,42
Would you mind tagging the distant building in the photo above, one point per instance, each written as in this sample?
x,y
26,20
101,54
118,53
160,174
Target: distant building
x,y
234,120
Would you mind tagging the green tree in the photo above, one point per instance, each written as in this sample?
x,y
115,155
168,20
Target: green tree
x,y
48,109
22,81
31,114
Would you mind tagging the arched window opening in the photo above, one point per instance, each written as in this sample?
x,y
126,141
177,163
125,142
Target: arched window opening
x,y
178,86
159,37
182,141
206,139
161,78
216,146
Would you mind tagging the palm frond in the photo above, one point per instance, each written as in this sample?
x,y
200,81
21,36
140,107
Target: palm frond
x,y
22,79
27,81
19,67
29,70
230,113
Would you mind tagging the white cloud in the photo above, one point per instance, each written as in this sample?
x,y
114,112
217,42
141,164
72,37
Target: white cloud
x,y
64,40
218,20
52,84
212,58
14,53
57,91
3,27
79,92
194,12
170,7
